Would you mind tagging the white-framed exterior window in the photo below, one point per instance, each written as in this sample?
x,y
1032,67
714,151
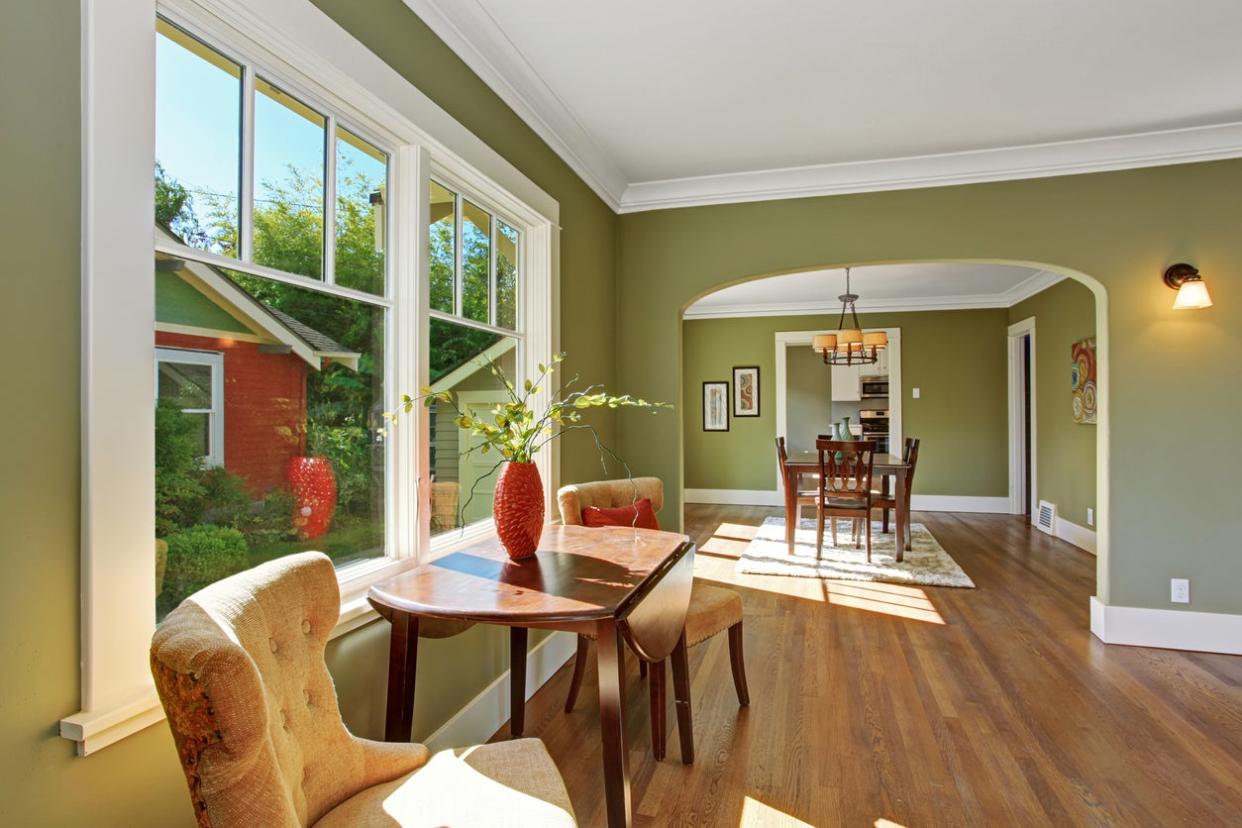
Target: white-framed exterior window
x,y
299,51
193,381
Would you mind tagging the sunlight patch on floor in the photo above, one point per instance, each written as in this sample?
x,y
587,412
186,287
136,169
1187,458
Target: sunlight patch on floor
x,y
755,814
887,823
860,596
719,554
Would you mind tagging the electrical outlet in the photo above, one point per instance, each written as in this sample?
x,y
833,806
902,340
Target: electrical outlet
x,y
1180,591
915,393
1090,516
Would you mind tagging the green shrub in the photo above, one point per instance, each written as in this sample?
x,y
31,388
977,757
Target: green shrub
x,y
199,556
178,490
226,499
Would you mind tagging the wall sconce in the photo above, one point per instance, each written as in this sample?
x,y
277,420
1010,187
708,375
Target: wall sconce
x,y
1192,292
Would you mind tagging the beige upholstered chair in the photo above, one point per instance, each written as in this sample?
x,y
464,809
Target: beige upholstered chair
x,y
712,609
240,670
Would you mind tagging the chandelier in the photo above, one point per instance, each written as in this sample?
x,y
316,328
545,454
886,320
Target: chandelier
x,y
850,346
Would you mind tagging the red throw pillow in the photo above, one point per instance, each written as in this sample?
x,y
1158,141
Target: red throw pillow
x,y
622,515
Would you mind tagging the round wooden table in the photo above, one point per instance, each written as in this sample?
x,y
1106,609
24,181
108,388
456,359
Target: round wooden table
x,y
627,586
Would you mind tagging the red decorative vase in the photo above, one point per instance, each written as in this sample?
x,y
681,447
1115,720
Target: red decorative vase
x,y
314,495
518,509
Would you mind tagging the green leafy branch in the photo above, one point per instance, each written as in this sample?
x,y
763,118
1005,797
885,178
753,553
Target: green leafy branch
x,y
514,430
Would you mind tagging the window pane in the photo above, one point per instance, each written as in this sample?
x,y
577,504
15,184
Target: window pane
x,y
197,141
361,207
303,466
463,481
476,234
185,385
288,182
506,275
442,255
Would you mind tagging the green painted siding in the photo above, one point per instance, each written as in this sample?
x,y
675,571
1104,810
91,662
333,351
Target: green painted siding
x,y
956,358
1121,229
179,303
1065,468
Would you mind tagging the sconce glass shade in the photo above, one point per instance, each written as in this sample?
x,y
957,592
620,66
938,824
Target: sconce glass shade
x,y
823,342
876,339
1193,294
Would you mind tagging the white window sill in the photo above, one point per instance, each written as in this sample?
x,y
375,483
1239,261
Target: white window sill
x,y
94,730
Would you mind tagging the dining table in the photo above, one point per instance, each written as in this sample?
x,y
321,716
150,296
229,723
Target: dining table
x,y
806,462
628,587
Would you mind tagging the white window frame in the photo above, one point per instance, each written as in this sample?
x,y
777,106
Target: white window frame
x,y
215,415
304,51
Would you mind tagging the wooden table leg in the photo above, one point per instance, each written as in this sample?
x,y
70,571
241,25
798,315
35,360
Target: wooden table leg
x,y
517,681
610,660
659,708
902,514
402,670
791,509
681,693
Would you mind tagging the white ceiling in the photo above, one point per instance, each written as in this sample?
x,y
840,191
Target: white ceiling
x,y
663,103
897,287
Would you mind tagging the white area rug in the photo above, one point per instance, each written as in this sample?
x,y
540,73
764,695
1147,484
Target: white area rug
x,y
927,563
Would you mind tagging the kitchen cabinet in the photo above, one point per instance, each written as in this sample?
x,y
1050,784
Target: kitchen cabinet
x,y
847,383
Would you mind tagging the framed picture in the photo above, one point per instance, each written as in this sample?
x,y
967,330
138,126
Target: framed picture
x,y
1082,380
715,406
746,391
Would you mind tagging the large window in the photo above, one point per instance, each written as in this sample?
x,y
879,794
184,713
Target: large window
x,y
272,373
291,299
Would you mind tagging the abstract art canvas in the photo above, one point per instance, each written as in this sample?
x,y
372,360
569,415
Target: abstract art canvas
x,y
1082,380
746,391
715,406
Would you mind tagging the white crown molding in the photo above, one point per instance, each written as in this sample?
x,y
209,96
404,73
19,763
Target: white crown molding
x,y
1148,149
1038,281
475,37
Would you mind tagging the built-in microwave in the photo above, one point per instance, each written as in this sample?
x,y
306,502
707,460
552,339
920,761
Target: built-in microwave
x,y
874,388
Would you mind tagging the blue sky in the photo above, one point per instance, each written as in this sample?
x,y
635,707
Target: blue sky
x,y
198,126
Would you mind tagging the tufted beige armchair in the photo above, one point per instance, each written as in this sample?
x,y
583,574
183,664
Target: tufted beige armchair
x,y
712,610
240,670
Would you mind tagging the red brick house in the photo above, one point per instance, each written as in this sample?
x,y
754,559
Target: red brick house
x,y
239,366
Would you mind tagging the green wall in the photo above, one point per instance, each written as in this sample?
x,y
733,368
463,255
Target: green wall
x,y
956,358
1121,229
137,782
1065,466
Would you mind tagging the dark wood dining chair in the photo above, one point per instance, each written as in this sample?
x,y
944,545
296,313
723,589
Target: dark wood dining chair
x,y
886,501
845,468
804,495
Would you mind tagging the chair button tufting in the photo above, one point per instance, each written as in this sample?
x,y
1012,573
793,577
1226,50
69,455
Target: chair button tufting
x,y
271,642
306,626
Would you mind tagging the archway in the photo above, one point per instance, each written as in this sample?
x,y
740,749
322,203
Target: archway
x,y
1098,293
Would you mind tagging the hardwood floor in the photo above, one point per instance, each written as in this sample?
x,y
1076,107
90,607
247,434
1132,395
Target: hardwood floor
x,y
923,706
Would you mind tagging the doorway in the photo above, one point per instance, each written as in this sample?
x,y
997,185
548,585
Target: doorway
x,y
1022,432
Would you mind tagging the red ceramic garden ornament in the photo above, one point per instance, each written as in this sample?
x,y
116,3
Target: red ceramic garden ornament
x,y
314,495
519,509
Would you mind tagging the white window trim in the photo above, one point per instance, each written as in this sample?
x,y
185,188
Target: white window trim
x,y
215,361
300,47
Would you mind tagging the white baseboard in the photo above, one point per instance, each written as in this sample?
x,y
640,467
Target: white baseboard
x,y
485,713
960,503
1206,632
735,497
923,503
1080,536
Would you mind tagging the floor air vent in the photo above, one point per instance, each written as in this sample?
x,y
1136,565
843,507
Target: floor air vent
x,y
1046,520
